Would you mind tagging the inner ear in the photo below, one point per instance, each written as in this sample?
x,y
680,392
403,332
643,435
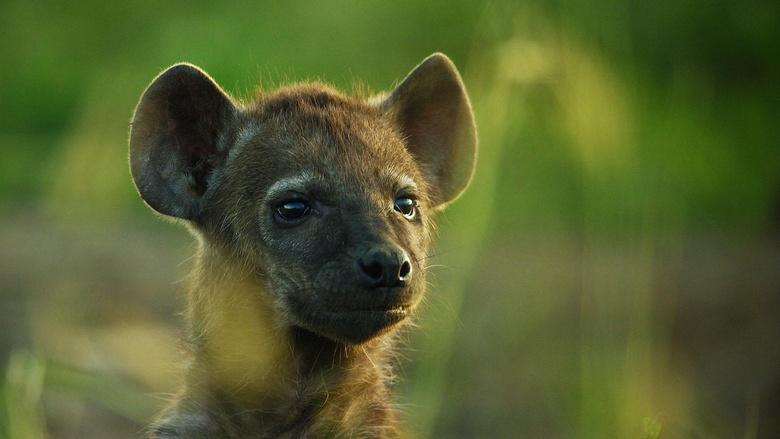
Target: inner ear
x,y
433,112
178,140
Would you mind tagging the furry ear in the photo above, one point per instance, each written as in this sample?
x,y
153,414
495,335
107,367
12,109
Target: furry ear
x,y
434,113
175,140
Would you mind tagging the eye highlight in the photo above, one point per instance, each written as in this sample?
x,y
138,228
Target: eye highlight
x,y
406,206
292,212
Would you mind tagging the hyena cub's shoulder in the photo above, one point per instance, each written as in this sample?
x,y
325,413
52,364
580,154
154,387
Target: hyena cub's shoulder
x,y
313,209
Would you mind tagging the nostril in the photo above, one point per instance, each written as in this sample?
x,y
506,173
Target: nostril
x,y
373,269
406,268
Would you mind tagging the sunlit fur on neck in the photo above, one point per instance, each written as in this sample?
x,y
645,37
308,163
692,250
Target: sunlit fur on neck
x,y
246,359
236,336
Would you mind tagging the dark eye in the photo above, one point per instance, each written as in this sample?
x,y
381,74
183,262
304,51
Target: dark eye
x,y
292,212
407,206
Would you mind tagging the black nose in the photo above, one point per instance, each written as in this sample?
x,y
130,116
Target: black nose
x,y
384,266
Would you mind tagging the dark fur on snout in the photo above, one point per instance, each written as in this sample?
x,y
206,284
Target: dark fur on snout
x,y
290,332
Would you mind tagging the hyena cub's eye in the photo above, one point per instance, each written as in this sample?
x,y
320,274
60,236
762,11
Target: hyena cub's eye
x,y
292,212
407,206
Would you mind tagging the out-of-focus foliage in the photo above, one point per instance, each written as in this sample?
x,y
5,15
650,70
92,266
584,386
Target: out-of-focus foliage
x,y
613,272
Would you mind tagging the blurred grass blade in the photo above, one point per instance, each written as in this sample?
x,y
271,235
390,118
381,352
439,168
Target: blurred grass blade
x,y
24,382
118,396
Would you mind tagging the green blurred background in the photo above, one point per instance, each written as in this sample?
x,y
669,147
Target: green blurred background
x,y
614,271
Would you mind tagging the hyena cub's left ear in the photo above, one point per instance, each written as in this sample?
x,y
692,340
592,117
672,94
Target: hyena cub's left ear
x,y
434,113
175,140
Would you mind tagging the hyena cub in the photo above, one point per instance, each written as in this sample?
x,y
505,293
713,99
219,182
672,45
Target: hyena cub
x,y
314,212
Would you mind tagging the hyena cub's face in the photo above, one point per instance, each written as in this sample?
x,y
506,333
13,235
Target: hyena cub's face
x,y
339,214
328,197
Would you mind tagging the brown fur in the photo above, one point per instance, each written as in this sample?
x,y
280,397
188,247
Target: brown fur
x,y
285,338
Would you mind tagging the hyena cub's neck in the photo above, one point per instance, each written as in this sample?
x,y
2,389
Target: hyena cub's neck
x,y
314,210
260,375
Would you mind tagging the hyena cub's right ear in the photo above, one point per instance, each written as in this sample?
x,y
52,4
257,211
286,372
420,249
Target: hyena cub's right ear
x,y
175,140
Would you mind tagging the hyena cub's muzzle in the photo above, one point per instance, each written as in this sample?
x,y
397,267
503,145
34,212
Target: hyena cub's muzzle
x,y
361,296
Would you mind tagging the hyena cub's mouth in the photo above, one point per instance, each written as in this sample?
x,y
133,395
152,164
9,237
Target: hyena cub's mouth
x,y
400,311
348,324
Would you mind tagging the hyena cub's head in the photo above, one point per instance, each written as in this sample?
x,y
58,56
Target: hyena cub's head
x,y
328,198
